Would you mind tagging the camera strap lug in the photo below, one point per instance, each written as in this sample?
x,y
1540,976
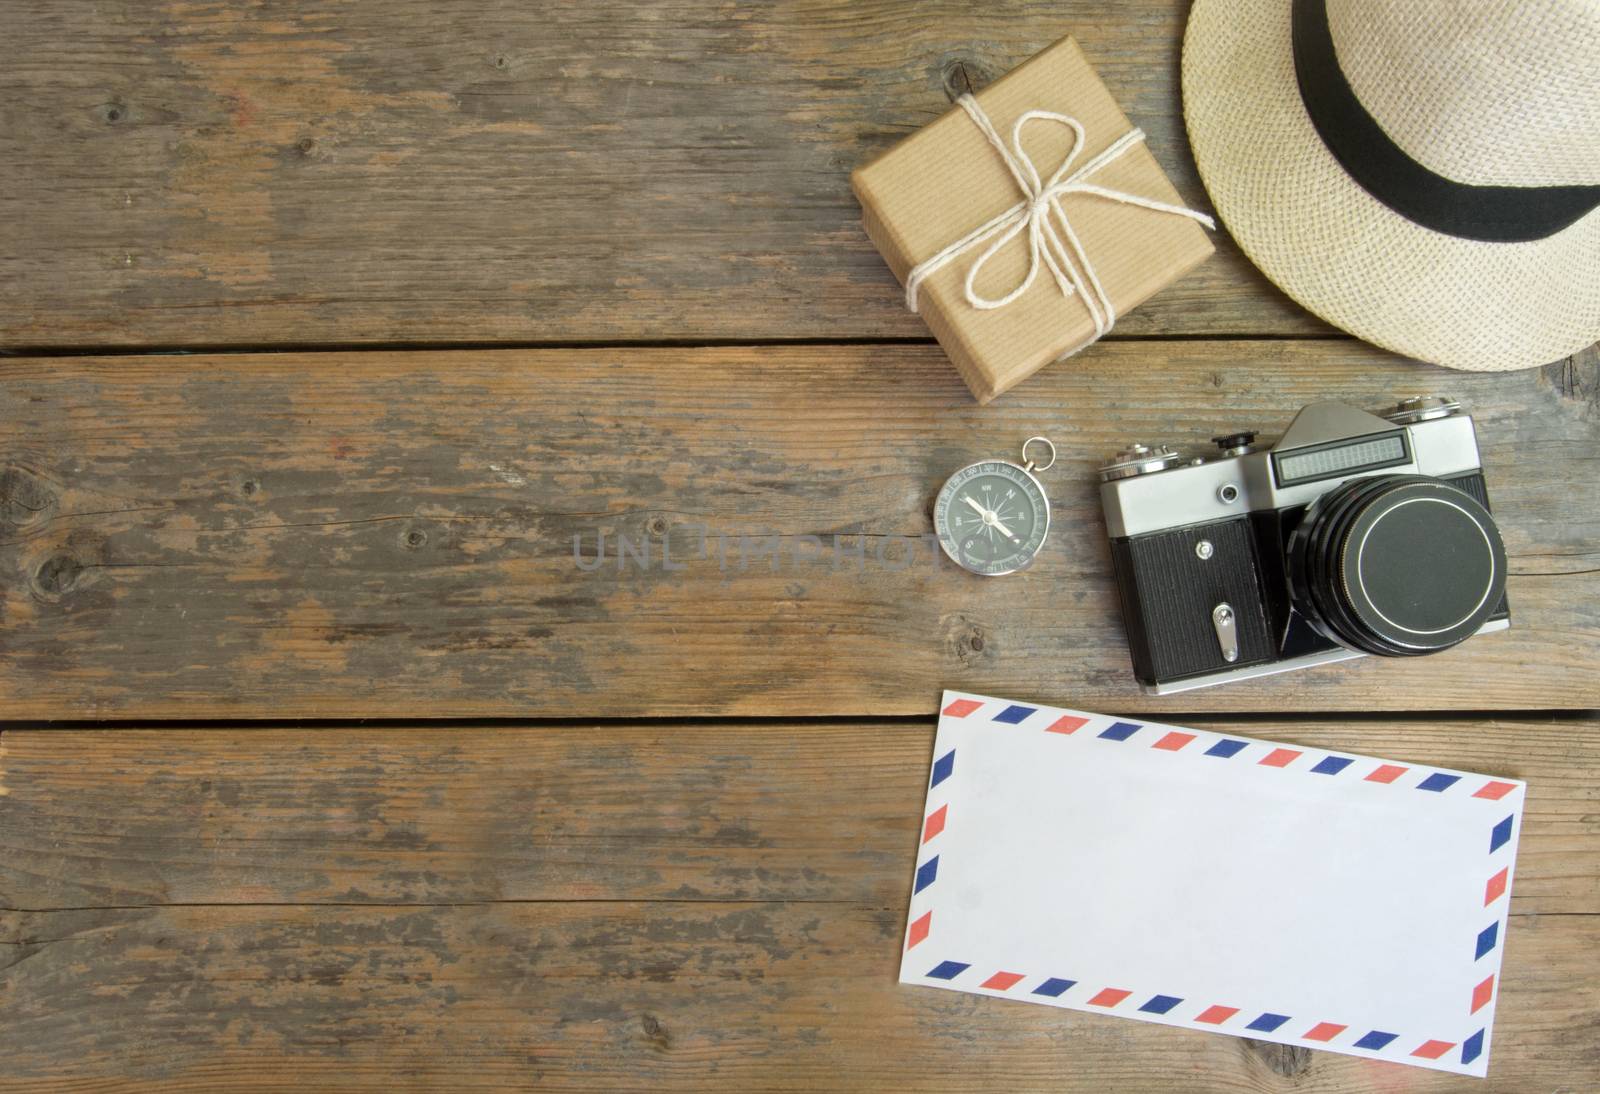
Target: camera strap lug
x,y
1226,626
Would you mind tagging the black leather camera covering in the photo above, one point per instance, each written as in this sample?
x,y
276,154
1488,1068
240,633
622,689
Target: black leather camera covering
x,y
1168,609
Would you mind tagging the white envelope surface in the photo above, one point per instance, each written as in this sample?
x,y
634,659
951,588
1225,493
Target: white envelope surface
x,y
1214,881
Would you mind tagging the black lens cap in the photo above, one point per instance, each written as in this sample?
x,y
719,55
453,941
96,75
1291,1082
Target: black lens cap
x,y
1397,565
1420,565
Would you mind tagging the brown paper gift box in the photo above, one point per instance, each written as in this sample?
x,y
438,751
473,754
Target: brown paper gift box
x,y
945,180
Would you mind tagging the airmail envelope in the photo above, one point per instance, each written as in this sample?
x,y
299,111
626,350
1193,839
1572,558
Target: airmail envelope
x,y
1214,882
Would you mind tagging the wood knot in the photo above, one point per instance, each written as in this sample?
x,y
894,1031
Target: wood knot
x,y
306,145
966,73
26,501
1574,378
57,574
113,113
414,538
1285,1060
970,642
656,526
654,1032
250,488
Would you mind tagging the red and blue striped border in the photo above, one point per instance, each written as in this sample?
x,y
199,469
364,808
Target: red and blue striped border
x,y
1230,748
1165,739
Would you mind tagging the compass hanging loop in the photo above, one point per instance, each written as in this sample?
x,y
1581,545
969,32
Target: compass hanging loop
x,y
1027,464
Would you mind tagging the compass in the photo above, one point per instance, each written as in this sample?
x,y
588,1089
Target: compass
x,y
992,516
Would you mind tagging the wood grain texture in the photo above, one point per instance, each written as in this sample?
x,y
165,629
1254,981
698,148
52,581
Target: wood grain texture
x,y
389,534
654,904
682,906
211,172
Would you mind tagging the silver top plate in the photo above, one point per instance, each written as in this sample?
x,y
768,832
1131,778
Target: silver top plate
x,y
1194,494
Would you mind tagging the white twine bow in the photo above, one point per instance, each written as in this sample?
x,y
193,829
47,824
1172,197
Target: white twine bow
x,y
1073,272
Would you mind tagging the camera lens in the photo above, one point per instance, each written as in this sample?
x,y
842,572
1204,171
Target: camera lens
x,y
1397,565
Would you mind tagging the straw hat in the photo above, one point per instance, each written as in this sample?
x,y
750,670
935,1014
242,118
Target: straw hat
x,y
1423,173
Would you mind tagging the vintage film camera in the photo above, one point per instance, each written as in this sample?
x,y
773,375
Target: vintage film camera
x,y
1356,533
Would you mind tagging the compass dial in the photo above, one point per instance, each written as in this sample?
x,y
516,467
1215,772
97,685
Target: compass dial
x,y
992,517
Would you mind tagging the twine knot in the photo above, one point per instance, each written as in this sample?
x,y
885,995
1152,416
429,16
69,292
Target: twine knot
x,y
1048,239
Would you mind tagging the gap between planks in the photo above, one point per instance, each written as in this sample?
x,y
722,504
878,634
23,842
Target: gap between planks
x,y
448,346
864,721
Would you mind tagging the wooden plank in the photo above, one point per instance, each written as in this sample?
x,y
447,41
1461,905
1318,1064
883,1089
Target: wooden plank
x,y
655,996
210,173
683,906
384,534
806,812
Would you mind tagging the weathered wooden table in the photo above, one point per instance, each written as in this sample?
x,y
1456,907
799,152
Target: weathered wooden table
x,y
328,327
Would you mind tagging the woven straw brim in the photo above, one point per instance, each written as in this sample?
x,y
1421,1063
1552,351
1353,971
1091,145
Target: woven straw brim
x,y
1341,253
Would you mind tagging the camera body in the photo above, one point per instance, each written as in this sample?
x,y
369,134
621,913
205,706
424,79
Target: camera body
x,y
1355,533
